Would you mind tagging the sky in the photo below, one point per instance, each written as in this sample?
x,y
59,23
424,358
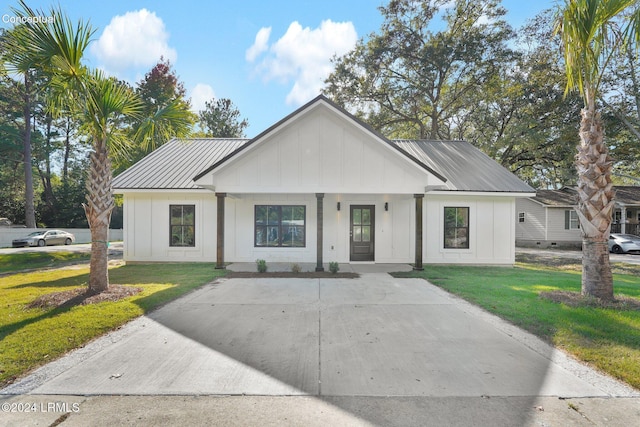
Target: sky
x,y
268,57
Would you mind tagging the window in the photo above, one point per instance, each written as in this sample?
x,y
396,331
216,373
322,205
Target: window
x,y
520,216
183,225
571,221
456,228
280,226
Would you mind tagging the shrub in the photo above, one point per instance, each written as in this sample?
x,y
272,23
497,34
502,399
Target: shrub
x,y
333,267
262,265
295,268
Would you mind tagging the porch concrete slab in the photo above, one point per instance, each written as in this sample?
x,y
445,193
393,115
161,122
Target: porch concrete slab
x,y
364,267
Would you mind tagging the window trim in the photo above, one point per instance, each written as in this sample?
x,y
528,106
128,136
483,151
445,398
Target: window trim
x,y
570,216
182,226
279,225
467,227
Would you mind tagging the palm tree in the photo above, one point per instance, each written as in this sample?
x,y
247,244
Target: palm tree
x,y
104,104
591,31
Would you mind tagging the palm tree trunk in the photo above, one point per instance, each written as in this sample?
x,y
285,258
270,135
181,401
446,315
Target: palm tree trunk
x,y
98,209
595,206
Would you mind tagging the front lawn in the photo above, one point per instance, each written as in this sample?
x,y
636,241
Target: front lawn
x,y
609,339
34,260
30,337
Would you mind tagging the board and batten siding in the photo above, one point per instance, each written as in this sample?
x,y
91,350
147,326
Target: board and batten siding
x,y
146,227
322,153
491,230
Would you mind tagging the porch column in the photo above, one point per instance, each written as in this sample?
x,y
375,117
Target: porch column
x,y
320,230
419,199
623,219
220,226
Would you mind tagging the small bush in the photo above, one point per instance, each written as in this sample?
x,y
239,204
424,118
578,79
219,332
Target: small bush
x,y
333,267
262,265
295,268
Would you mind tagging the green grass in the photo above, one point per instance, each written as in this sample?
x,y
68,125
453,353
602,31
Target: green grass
x,y
608,339
30,337
34,260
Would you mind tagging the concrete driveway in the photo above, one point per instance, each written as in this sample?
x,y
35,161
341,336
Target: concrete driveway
x,y
375,337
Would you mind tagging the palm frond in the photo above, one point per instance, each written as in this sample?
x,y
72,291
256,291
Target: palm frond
x,y
174,119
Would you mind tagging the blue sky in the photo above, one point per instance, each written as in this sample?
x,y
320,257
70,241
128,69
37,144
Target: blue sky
x,y
268,57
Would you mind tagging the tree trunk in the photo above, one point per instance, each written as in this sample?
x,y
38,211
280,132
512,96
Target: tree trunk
x,y
595,206
29,209
98,209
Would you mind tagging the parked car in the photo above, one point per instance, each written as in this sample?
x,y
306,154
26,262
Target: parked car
x,y
45,238
624,243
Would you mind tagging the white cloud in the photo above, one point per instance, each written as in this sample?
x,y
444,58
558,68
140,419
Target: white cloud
x,y
135,39
260,45
303,55
200,94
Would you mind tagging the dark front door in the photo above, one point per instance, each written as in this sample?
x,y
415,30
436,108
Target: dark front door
x,y
362,233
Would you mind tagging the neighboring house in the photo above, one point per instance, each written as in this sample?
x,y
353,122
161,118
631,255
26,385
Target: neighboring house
x,y
549,219
319,186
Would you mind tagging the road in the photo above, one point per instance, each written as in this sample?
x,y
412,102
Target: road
x,y
115,249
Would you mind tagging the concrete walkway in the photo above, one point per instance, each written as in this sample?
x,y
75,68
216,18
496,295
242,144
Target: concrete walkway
x,y
369,351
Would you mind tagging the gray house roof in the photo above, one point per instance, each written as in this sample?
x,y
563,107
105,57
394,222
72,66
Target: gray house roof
x,y
563,197
178,163
465,167
174,164
567,196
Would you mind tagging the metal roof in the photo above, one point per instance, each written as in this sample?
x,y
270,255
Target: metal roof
x,y
174,164
465,167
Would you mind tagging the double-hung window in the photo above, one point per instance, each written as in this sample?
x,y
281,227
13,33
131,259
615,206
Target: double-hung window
x,y
182,225
280,226
456,228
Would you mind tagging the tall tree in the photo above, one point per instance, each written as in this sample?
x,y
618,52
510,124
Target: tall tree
x,y
591,32
104,104
14,54
522,118
408,79
221,119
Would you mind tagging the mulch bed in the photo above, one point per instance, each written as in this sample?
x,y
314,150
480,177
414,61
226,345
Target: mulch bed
x,y
291,275
81,296
575,299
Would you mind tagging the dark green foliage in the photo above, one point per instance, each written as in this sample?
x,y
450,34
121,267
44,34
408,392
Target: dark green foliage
x,y
221,119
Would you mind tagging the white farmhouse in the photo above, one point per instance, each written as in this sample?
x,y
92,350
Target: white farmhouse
x,y
320,186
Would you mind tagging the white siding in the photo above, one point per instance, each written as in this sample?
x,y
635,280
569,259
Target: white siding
x,y
146,227
533,227
491,230
320,152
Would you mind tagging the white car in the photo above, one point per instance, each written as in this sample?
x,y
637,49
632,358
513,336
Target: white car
x,y
44,238
624,243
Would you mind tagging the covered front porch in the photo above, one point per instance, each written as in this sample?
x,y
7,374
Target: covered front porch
x,y
319,228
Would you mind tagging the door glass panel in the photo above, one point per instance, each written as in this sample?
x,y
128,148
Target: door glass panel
x,y
366,216
357,216
366,233
357,233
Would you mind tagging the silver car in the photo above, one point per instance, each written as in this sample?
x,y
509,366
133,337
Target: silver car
x,y
624,243
44,238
